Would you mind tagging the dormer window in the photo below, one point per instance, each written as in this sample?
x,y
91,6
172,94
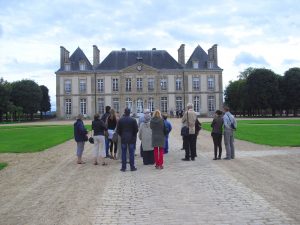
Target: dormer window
x,y
81,65
67,66
195,64
210,64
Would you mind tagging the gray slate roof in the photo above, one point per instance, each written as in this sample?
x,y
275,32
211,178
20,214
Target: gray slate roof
x,y
75,58
201,56
159,59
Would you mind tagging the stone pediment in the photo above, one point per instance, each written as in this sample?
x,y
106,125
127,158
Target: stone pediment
x,y
138,67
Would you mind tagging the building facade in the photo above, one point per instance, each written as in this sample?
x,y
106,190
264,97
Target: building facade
x,y
142,79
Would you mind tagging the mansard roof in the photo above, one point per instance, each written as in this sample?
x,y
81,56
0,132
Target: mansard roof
x,y
77,57
201,56
159,59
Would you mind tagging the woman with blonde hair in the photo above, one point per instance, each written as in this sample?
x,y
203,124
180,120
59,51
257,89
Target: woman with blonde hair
x,y
158,138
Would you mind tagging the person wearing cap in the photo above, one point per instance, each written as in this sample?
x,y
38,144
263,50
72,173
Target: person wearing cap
x,y
145,135
127,128
80,135
216,133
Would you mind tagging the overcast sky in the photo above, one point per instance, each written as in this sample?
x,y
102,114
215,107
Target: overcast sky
x,y
257,33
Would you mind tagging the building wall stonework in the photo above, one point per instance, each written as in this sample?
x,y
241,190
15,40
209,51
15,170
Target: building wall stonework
x,y
84,95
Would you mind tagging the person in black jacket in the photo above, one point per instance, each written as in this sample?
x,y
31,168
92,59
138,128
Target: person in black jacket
x,y
98,126
104,119
127,128
216,133
80,135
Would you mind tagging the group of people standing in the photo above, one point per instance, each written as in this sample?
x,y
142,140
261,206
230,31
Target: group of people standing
x,y
152,131
229,123
109,132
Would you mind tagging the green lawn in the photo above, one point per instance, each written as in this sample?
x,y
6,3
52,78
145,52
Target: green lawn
x,y
19,139
267,132
2,165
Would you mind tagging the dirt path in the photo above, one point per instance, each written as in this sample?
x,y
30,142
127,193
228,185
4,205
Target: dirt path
x,y
49,188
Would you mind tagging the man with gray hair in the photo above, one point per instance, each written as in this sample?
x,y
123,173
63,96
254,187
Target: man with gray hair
x,y
142,117
142,120
189,142
230,125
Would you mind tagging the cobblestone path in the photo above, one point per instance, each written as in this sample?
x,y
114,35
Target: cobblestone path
x,y
195,192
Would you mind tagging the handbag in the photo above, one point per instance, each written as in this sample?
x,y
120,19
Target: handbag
x,y
91,140
115,137
185,131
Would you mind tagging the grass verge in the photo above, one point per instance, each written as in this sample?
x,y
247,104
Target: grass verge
x,y
267,132
21,139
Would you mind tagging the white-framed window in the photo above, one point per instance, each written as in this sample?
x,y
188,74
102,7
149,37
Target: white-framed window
x,y
67,66
83,106
100,106
68,106
179,103
151,104
100,85
164,104
82,85
163,84
211,83
150,84
197,104
178,84
139,84
210,65
139,105
128,103
68,86
211,103
128,84
196,83
116,104
115,83
195,64
81,65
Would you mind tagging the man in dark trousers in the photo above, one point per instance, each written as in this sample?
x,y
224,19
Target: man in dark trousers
x,y
104,119
127,128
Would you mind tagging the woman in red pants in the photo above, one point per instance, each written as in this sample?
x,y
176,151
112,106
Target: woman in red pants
x,y
158,138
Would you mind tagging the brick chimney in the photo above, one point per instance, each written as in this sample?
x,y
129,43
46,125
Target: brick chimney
x,y
64,56
96,56
213,54
181,55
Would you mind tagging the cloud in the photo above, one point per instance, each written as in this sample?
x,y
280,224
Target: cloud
x,y
245,58
290,62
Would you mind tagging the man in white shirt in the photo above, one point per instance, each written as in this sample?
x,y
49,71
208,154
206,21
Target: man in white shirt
x,y
230,126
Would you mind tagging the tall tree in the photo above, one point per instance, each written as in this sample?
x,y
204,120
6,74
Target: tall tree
x,y
27,94
263,89
291,82
5,90
243,75
235,96
45,105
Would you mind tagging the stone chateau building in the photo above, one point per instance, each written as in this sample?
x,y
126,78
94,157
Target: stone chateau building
x,y
139,79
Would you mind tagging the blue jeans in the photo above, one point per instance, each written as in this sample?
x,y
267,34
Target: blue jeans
x,y
166,148
131,155
106,146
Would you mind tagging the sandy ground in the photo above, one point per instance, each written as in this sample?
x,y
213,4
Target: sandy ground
x,y
50,188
